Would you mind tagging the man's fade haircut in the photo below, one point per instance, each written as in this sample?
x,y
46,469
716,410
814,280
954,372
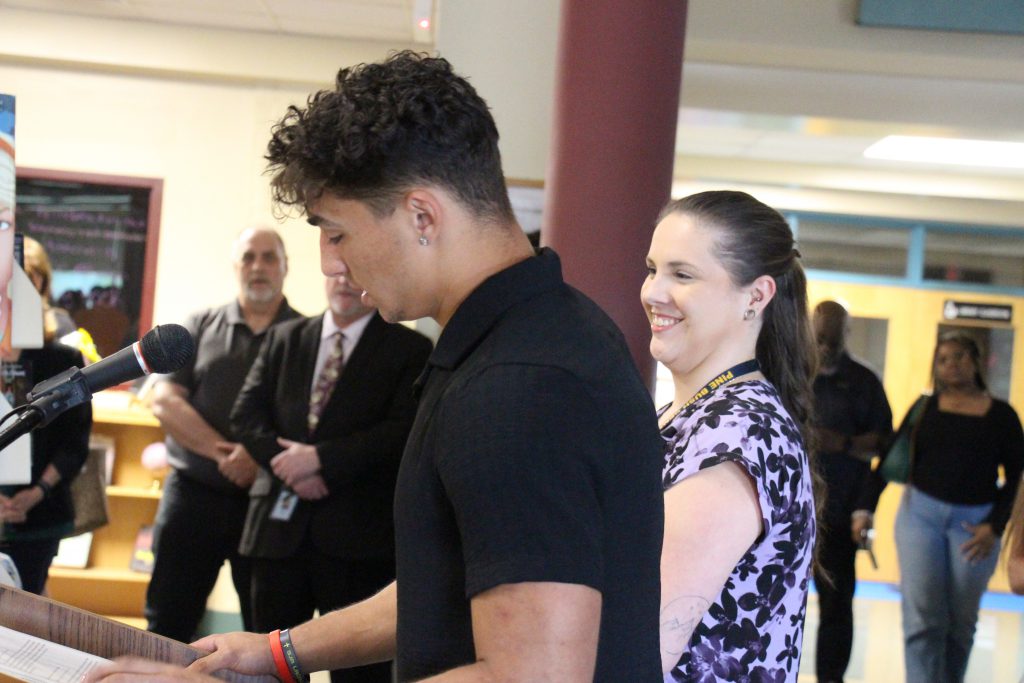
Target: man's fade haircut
x,y
383,129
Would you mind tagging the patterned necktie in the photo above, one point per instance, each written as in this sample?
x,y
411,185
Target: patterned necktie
x,y
325,382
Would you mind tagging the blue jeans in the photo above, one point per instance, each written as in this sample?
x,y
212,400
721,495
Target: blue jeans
x,y
941,590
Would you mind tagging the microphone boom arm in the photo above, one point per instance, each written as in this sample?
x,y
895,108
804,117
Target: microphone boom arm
x,y
49,399
60,393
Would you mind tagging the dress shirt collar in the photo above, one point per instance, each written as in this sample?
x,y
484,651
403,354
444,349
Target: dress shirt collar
x,y
485,305
353,331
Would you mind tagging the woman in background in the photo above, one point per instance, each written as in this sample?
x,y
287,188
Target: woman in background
x,y
727,301
37,515
56,321
953,512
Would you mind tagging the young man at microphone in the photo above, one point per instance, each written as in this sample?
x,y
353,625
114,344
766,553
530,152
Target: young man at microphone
x,y
528,508
202,511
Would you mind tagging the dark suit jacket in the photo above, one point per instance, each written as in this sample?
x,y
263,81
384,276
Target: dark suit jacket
x,y
360,437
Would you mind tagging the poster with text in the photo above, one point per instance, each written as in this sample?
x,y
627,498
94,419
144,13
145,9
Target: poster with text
x,y
7,187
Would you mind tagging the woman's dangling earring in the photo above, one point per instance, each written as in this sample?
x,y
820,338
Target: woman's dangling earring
x,y
749,314
424,241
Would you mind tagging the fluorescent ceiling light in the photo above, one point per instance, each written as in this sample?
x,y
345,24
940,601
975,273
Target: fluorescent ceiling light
x,y
948,151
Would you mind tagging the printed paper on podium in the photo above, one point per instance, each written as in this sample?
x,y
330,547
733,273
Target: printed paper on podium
x,y
34,660
40,624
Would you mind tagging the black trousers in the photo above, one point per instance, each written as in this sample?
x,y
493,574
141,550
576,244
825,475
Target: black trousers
x,y
197,528
286,591
837,554
32,558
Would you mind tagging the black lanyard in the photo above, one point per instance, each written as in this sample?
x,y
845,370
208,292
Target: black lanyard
x,y
739,370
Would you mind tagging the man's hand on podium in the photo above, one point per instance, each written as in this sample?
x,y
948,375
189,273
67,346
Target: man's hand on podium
x,y
134,669
246,653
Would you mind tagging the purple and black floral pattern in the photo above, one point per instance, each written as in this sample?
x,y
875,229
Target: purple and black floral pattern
x,y
753,632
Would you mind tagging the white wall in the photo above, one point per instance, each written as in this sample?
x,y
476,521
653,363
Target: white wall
x,y
507,51
193,107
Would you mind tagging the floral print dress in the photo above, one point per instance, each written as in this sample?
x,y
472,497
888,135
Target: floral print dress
x,y
753,632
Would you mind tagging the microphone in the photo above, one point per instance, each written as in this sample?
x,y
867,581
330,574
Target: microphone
x,y
163,349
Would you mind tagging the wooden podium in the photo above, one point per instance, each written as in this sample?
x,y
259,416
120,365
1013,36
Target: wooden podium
x,y
88,632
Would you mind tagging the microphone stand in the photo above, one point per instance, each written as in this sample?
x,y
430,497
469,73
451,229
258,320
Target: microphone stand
x,y
49,399
25,423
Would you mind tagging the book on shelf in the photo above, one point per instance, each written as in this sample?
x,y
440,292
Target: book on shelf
x,y
142,553
104,444
74,551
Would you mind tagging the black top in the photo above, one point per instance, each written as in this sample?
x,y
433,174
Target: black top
x,y
851,401
535,456
956,458
225,348
64,443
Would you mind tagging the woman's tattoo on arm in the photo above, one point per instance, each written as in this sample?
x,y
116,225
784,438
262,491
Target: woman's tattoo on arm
x,y
679,618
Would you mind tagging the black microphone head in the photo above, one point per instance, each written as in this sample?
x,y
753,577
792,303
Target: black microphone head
x,y
167,348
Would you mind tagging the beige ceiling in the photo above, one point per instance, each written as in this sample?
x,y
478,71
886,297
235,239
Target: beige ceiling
x,y
757,98
384,20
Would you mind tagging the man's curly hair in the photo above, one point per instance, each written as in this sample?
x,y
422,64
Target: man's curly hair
x,y
384,128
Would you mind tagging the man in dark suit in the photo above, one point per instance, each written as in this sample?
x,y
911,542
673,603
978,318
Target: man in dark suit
x,y
325,411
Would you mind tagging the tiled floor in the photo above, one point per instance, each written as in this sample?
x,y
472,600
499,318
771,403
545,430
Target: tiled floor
x,y
997,657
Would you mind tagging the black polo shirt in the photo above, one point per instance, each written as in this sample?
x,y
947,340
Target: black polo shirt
x,y
535,456
225,349
850,401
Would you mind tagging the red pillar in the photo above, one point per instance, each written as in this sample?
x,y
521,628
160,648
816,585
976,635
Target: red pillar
x,y
617,89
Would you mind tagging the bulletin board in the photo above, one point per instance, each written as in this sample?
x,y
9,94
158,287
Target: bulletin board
x,y
101,234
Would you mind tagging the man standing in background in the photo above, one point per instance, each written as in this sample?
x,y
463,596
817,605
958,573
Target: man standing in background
x,y
325,411
854,419
202,511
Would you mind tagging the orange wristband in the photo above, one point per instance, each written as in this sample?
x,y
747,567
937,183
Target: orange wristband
x,y
283,672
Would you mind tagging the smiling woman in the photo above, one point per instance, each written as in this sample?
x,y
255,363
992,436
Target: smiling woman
x,y
726,298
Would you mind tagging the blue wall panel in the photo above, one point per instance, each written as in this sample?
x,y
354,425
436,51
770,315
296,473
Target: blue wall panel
x,y
995,16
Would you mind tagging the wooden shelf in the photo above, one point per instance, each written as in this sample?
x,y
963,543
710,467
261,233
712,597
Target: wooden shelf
x,y
133,492
107,585
137,622
99,574
103,590
121,407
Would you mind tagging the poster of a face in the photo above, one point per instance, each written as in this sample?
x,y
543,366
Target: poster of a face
x,y
6,217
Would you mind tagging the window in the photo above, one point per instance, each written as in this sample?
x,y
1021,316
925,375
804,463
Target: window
x,y
982,258
847,245
915,253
